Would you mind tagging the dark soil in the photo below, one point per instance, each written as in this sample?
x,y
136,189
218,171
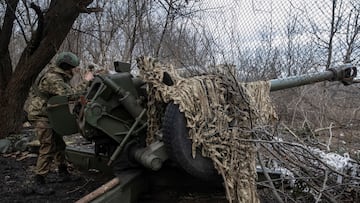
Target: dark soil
x,y
16,173
16,176
167,185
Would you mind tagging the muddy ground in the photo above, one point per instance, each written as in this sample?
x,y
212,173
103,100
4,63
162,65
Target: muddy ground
x,y
16,174
16,171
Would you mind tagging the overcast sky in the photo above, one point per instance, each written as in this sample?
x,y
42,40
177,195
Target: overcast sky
x,y
249,17
241,22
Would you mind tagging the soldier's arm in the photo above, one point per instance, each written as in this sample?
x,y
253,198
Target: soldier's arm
x,y
81,87
54,84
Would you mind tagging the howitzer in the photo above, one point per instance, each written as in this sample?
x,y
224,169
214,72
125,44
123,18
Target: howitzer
x,y
112,114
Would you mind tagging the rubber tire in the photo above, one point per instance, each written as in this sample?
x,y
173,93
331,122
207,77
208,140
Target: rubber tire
x,y
178,145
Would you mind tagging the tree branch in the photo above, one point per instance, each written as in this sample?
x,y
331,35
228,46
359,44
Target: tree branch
x,y
273,189
37,35
7,27
5,36
19,23
83,9
91,10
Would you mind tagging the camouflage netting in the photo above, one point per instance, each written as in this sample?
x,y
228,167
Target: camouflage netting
x,y
220,112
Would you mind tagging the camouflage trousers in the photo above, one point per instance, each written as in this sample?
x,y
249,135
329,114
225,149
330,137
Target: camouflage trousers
x,y
52,148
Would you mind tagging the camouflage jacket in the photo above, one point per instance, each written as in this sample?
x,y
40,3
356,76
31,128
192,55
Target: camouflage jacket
x,y
54,81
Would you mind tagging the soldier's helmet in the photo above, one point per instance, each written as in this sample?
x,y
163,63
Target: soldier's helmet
x,y
67,60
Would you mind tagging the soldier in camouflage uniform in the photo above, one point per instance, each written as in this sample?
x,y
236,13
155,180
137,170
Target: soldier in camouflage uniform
x,y
55,81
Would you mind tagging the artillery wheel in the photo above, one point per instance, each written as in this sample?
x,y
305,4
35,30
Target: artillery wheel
x,y
178,145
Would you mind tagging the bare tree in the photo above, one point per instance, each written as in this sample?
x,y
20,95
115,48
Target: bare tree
x,y
352,32
135,20
335,23
132,28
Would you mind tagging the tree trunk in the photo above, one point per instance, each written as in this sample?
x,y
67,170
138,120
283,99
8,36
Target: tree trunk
x,y
58,21
5,36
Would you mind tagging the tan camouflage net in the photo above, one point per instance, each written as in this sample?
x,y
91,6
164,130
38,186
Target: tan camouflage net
x,y
219,112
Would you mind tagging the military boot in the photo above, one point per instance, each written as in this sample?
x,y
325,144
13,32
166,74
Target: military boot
x,y
40,187
63,174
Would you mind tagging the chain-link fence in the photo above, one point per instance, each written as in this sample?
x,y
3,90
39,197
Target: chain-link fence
x,y
267,39
283,37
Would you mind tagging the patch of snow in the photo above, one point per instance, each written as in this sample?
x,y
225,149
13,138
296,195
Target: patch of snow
x,y
279,139
334,160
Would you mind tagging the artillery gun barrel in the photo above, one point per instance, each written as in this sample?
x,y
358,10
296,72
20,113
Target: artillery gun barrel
x,y
344,73
294,81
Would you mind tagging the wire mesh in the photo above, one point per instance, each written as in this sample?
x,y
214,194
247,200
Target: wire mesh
x,y
286,36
